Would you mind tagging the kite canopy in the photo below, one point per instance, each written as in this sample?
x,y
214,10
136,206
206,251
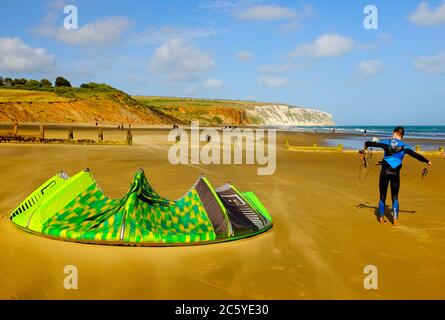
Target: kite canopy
x,y
76,209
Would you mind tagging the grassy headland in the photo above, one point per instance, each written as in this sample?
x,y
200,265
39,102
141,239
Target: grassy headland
x,y
23,100
207,111
30,101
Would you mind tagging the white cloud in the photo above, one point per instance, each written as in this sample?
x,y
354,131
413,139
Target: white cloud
x,y
214,84
276,68
370,68
177,60
257,10
273,82
166,33
17,56
103,32
244,55
224,5
424,16
57,4
268,12
328,45
434,65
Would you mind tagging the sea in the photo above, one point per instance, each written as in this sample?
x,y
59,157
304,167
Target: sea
x,y
353,137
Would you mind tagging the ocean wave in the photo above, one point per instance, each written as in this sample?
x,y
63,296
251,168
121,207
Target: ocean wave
x,y
412,132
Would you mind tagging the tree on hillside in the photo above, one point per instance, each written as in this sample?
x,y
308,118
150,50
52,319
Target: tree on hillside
x,y
86,85
45,83
62,82
19,82
33,84
7,82
102,87
1,82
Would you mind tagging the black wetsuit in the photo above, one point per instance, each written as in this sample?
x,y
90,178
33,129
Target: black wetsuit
x,y
395,151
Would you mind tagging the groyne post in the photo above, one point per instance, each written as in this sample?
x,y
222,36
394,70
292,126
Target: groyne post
x,y
42,132
129,137
70,133
15,128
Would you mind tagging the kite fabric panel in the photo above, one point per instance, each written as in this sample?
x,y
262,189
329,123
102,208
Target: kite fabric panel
x,y
76,209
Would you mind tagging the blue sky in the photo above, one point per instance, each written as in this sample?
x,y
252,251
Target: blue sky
x,y
305,53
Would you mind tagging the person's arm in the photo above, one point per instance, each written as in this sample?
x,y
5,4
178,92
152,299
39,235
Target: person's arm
x,y
374,144
416,155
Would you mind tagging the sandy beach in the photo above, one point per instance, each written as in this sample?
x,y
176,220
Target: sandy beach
x,y
325,229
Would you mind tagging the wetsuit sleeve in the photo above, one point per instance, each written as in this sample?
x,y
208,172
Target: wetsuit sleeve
x,y
416,155
376,145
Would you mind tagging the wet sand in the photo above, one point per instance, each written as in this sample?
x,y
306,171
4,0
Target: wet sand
x,y
325,230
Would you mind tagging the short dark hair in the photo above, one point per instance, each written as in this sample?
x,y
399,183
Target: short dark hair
x,y
400,130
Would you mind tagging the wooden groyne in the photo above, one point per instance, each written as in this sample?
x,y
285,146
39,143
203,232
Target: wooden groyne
x,y
439,152
314,147
14,137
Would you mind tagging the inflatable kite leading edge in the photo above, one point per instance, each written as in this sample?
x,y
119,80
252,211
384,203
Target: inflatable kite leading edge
x,y
76,209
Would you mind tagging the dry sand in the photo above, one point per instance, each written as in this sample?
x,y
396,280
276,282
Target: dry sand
x,y
324,232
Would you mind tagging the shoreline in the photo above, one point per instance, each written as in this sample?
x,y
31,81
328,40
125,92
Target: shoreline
x,y
350,141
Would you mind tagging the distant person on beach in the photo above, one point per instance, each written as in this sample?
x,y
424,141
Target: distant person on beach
x,y
365,133
395,150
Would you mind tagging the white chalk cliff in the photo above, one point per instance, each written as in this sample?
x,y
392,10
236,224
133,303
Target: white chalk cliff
x,y
282,115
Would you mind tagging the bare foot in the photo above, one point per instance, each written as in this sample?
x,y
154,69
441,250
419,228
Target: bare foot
x,y
396,223
382,220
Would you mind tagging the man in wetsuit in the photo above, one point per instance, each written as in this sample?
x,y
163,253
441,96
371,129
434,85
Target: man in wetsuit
x,y
395,150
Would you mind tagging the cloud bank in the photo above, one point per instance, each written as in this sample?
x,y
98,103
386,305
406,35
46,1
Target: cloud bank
x,y
427,17
177,60
17,56
327,45
434,65
370,68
